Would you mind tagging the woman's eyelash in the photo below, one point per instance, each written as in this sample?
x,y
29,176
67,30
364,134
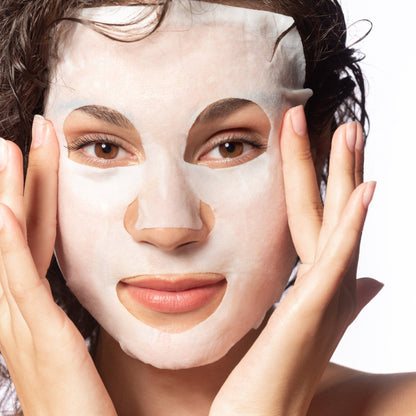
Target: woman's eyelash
x,y
88,139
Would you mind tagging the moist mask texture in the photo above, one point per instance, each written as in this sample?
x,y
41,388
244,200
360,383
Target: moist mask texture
x,y
119,220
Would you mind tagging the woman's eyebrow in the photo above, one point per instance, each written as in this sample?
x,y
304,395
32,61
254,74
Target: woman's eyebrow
x,y
222,109
107,114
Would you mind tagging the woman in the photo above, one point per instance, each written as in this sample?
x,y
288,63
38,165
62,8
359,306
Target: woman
x,y
178,161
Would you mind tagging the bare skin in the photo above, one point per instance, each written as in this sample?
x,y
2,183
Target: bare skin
x,y
342,391
346,392
281,369
184,392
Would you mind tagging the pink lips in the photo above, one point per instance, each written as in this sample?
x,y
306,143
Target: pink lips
x,y
175,293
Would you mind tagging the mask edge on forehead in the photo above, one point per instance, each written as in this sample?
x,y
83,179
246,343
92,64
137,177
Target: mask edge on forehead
x,y
124,21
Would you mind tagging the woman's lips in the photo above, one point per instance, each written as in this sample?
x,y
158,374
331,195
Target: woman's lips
x,y
175,293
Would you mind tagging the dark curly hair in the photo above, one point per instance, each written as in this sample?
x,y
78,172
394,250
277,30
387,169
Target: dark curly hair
x,y
30,32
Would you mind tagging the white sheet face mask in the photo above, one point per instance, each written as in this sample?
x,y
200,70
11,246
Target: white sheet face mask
x,y
172,222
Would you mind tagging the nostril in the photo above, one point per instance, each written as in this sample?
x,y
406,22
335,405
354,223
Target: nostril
x,y
188,243
169,239
169,247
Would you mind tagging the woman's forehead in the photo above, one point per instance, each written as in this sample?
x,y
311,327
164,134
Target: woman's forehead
x,y
165,67
205,46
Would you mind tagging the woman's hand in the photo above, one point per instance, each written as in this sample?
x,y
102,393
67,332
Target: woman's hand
x,y
280,373
46,355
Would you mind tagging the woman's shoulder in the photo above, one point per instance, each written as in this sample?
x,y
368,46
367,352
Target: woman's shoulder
x,y
345,392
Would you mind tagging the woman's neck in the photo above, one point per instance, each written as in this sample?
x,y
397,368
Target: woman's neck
x,y
138,389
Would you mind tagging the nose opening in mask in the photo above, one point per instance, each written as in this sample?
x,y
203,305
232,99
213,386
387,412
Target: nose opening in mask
x,y
169,238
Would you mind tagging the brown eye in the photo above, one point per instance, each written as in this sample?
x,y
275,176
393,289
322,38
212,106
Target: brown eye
x,y
106,150
231,149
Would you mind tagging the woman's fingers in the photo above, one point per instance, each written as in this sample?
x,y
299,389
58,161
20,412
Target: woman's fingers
x,y
47,357
304,330
334,261
11,189
11,179
303,199
40,194
25,289
341,178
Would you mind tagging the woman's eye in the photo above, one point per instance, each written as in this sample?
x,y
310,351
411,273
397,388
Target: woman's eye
x,y
231,149
227,150
101,152
106,150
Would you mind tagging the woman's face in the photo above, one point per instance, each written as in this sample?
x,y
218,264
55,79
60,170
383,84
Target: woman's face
x,y
172,221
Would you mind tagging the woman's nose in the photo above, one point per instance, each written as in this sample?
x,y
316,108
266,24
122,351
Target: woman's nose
x,y
166,212
168,238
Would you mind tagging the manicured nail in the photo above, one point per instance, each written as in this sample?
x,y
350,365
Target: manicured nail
x,y
351,136
4,154
297,116
38,131
368,193
359,144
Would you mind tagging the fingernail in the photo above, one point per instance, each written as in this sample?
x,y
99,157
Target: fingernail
x,y
351,136
368,193
4,154
359,144
38,131
297,116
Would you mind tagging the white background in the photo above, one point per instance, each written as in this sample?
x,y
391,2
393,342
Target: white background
x,y
383,338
